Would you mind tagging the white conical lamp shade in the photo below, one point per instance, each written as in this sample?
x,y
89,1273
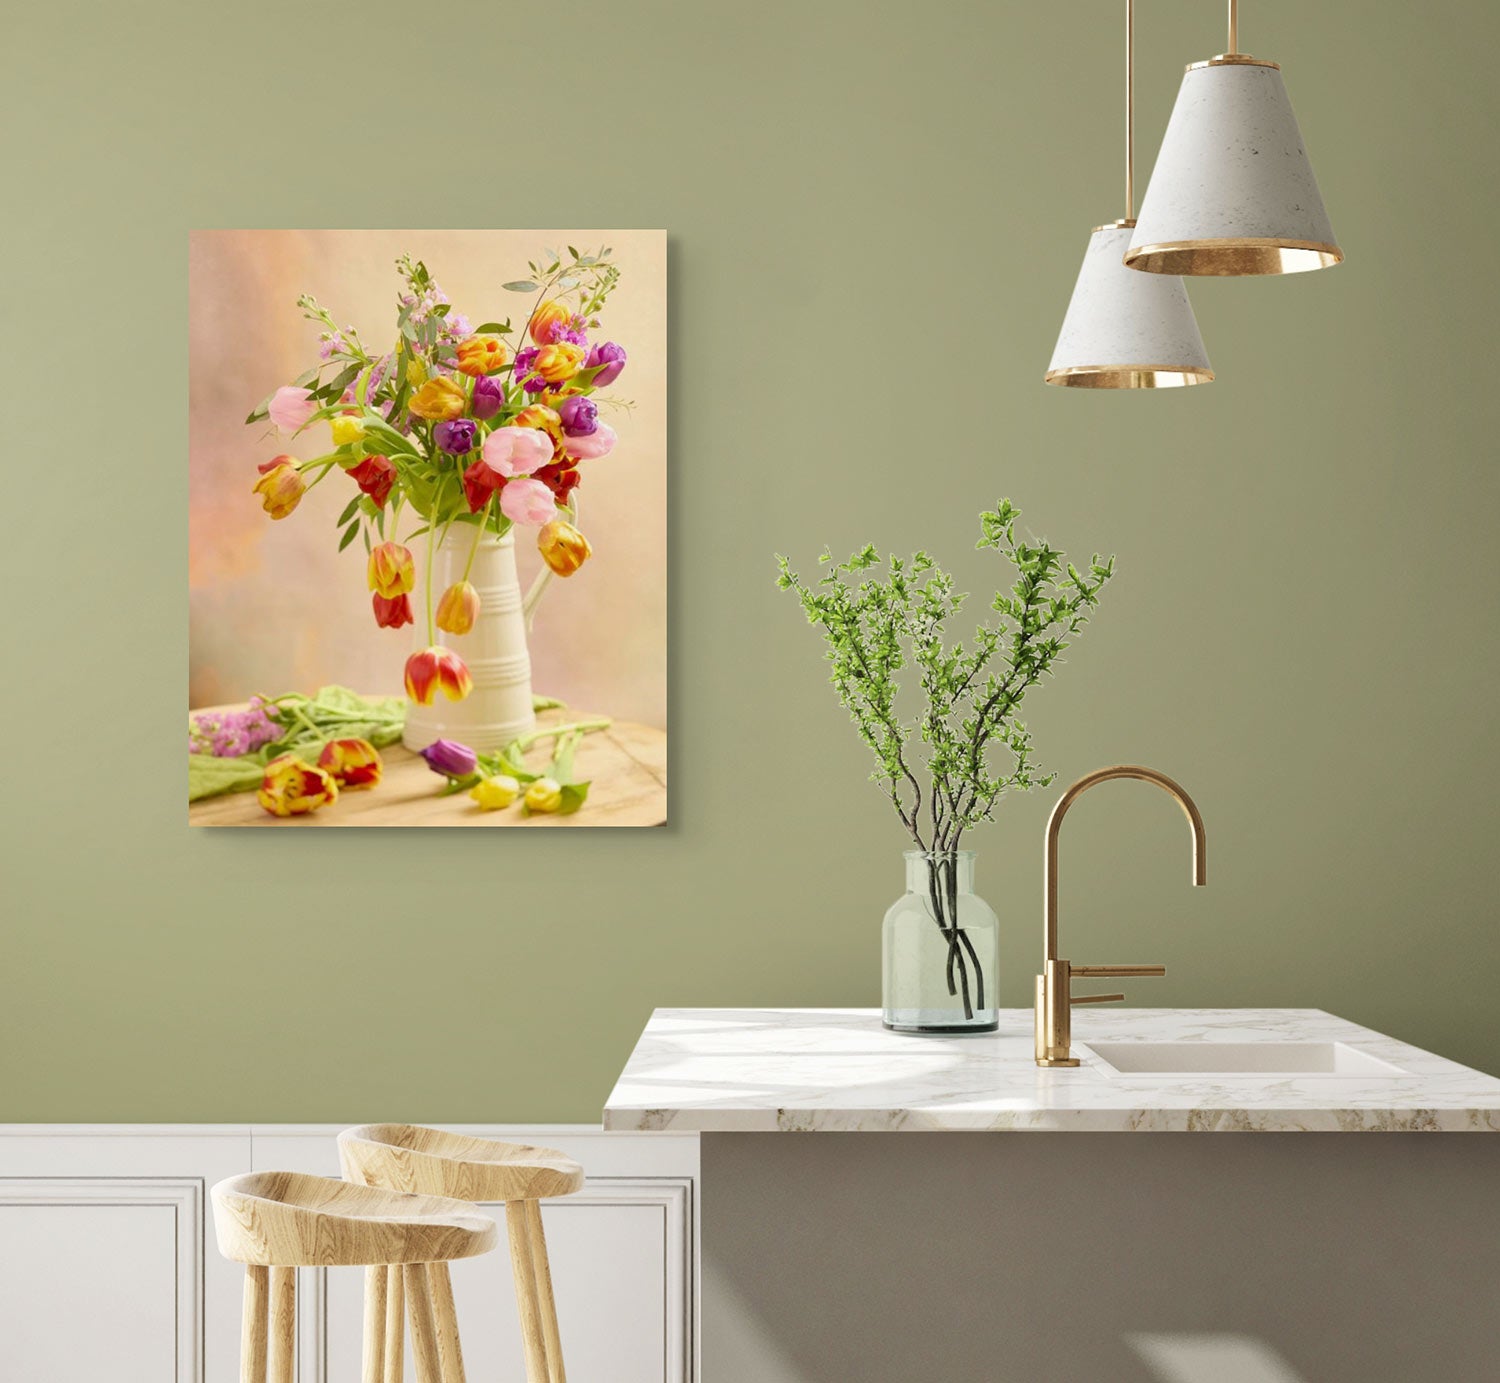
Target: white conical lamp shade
x,y
1125,330
1233,191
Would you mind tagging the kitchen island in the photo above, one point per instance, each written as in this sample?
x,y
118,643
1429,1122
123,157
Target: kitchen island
x,y
1282,1251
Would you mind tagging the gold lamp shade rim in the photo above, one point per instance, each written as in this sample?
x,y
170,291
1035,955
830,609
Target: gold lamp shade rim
x,y
1232,60
1129,376
1233,256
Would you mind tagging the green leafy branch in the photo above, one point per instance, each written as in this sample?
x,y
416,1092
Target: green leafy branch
x,y
879,617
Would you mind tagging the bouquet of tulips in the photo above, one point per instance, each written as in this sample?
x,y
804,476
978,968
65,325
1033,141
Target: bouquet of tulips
x,y
450,426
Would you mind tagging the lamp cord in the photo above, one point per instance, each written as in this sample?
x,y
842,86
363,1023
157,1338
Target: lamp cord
x,y
1130,109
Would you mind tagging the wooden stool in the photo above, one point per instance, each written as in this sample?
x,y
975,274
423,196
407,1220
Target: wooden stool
x,y
277,1222
405,1157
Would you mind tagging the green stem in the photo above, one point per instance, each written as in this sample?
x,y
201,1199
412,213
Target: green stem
x,y
484,518
582,727
427,584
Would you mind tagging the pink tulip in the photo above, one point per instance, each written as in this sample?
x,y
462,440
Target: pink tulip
x,y
291,408
528,502
511,451
600,442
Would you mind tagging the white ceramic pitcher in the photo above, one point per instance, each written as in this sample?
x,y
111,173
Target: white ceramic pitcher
x,y
500,706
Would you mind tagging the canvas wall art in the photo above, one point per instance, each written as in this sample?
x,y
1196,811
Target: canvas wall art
x,y
427,528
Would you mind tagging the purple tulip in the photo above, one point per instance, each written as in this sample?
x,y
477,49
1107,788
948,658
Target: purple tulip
x,y
612,357
456,437
580,416
488,397
450,758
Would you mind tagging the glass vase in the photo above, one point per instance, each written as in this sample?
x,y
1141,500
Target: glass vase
x,y
941,950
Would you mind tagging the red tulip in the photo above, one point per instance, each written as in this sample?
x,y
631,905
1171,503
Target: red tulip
x,y
352,763
374,475
480,482
437,669
391,613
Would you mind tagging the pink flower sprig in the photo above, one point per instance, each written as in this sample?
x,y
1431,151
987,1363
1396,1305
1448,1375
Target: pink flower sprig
x,y
228,734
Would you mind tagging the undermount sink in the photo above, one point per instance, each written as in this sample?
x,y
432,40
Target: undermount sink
x,y
1238,1059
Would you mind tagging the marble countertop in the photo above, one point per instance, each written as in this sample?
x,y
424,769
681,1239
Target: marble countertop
x,y
839,1070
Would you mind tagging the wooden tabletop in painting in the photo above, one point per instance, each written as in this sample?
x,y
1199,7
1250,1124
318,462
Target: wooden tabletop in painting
x,y
626,766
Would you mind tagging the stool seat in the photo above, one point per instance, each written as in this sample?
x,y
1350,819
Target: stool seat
x,y
429,1161
290,1219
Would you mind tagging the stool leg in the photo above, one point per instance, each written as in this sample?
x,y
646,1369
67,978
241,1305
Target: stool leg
x,y
424,1340
374,1345
283,1324
447,1322
253,1324
523,1267
395,1323
545,1303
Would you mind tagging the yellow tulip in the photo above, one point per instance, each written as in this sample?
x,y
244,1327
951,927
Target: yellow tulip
x,y
416,373
494,793
345,430
391,570
544,795
457,608
439,400
280,489
563,547
292,787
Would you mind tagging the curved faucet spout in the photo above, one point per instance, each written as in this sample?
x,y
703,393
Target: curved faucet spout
x,y
1101,775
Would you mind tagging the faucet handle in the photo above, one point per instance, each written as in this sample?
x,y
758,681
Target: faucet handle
x,y
1117,971
1095,998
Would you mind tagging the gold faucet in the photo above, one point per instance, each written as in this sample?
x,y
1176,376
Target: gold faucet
x,y
1054,996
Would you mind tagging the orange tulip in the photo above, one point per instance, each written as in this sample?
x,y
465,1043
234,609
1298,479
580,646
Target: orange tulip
x,y
280,489
550,318
291,787
437,669
563,547
481,355
352,763
439,400
540,417
391,570
458,608
559,362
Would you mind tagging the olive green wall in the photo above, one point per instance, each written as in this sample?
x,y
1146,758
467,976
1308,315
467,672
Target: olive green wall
x,y
876,214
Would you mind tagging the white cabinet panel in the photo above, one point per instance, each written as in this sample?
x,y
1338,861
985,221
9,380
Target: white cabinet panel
x,y
99,1279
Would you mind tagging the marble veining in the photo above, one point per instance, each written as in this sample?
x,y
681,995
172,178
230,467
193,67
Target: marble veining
x,y
839,1070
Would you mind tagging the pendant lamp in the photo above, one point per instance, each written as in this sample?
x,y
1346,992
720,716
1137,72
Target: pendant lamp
x,y
1125,330
1233,190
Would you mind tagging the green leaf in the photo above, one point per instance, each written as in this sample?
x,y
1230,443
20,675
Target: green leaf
x,y
494,328
574,795
521,286
350,534
350,510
